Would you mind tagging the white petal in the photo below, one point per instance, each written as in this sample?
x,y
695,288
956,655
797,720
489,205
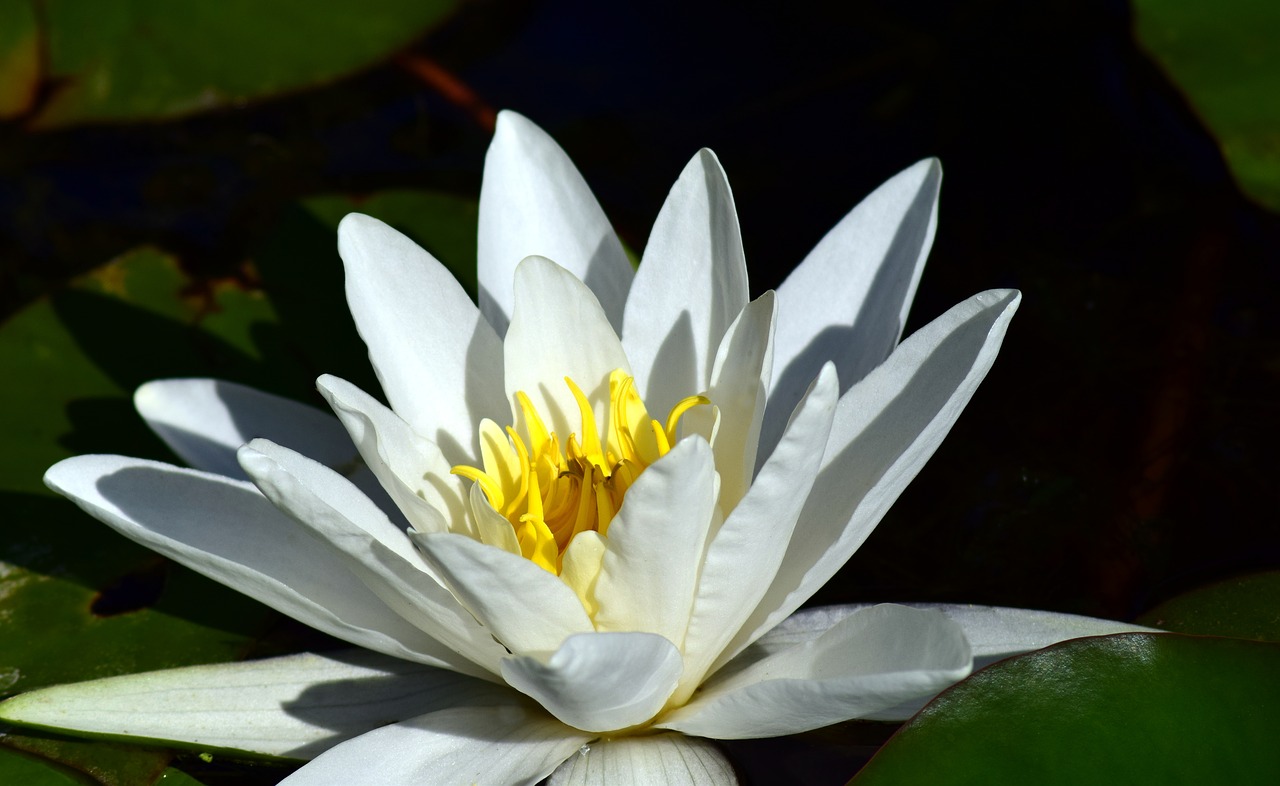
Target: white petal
x,y
655,545
651,760
526,608
437,359
294,706
848,300
867,662
745,553
600,681
558,330
229,532
994,633
534,202
691,285
204,421
885,429
739,380
454,747
376,551
412,470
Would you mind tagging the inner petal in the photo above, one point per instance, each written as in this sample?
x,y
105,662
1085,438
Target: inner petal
x,y
551,489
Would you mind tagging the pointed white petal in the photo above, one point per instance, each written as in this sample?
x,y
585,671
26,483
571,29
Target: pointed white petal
x,y
527,609
376,551
739,380
994,633
437,359
294,706
746,551
558,330
454,747
229,532
600,681
656,543
691,284
652,760
848,300
205,420
871,660
412,470
534,202
885,428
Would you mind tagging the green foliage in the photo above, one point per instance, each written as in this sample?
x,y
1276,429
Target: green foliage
x,y
147,59
1224,57
1133,708
79,602
1245,607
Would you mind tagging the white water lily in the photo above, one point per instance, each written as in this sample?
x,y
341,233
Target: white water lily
x,y
546,573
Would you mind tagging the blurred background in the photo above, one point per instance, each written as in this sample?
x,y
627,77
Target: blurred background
x,y
171,174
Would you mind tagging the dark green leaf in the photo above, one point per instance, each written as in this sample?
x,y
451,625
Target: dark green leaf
x,y
1133,708
1245,607
19,56
141,59
77,601
19,768
1225,58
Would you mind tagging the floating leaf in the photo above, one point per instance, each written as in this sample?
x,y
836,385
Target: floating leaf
x,y
1132,708
1225,58
1245,607
19,57
78,601
30,771
144,59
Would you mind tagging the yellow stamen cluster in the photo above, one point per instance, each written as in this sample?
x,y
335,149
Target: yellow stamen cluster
x,y
550,491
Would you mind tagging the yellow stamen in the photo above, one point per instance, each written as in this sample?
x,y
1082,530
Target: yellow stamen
x,y
550,496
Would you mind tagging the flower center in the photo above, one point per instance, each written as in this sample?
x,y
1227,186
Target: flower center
x,y
551,489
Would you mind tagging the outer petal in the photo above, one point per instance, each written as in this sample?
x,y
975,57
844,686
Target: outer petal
x,y
454,747
376,551
885,428
533,201
295,706
739,379
869,661
600,681
204,421
655,545
527,609
745,553
229,532
413,470
994,633
436,358
652,760
559,330
848,300
691,285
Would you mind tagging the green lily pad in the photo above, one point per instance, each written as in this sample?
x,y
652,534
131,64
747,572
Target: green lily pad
x,y
77,601
28,770
146,59
1224,57
1245,607
1132,708
19,57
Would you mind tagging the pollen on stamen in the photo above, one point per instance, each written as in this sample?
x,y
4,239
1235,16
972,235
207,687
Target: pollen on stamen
x,y
550,494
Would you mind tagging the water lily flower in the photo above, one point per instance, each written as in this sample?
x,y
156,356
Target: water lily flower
x,y
576,542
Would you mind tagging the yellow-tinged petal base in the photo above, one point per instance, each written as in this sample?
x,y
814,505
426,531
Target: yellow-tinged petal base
x,y
551,491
